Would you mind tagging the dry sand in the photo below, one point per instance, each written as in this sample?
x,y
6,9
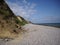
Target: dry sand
x,y
37,35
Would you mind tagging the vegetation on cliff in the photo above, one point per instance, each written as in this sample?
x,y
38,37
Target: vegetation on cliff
x,y
10,25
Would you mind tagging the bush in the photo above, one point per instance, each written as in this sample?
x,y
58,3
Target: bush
x,y
17,21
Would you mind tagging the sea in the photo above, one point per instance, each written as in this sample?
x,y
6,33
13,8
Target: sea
x,y
50,24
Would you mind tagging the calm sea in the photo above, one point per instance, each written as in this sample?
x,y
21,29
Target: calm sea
x,y
51,24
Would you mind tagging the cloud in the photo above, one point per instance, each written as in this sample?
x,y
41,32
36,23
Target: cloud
x,y
24,1
24,9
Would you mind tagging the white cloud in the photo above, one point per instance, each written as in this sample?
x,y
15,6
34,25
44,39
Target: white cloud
x,y
24,1
25,10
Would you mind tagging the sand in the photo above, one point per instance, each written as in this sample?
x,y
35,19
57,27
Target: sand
x,y
38,35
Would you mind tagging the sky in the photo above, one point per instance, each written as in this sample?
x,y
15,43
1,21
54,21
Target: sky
x,y
37,11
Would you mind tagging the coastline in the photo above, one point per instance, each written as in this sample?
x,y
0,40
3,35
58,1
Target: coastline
x,y
38,35
57,25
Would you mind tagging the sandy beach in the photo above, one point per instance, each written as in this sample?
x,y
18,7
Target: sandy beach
x,y
37,35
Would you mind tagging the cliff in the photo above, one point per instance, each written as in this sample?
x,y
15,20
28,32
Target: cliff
x,y
10,25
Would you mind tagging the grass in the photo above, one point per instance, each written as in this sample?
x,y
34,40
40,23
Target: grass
x,y
4,12
19,22
8,30
9,22
24,22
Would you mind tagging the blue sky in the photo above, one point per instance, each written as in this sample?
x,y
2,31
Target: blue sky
x,y
37,11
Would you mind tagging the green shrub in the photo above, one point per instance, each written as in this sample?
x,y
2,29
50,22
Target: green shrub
x,y
17,21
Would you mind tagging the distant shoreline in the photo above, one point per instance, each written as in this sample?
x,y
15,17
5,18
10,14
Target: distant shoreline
x,y
49,24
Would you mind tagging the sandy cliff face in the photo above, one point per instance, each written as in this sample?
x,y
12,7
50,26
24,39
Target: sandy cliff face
x,y
9,23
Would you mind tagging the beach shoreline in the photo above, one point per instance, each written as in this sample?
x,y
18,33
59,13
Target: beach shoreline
x,y
38,35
